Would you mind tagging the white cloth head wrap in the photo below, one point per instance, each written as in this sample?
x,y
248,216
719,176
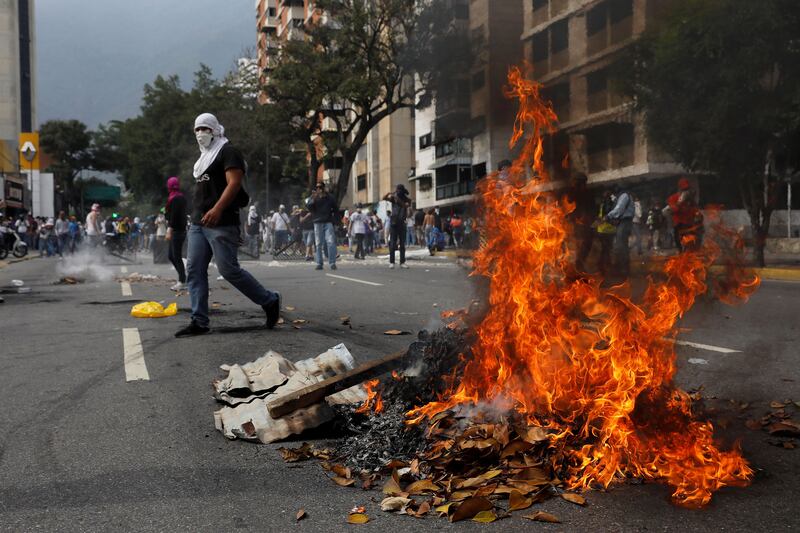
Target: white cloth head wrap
x,y
207,155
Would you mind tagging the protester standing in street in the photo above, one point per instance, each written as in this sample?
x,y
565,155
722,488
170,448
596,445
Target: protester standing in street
x,y
280,223
94,230
419,227
214,230
655,225
62,232
324,212
74,234
397,223
358,229
606,232
622,217
253,229
176,232
307,228
687,219
637,224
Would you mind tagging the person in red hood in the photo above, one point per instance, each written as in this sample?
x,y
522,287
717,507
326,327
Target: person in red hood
x,y
687,219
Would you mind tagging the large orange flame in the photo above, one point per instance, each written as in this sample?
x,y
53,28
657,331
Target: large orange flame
x,y
585,361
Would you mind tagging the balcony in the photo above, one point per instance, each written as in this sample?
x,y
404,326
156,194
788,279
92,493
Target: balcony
x,y
453,190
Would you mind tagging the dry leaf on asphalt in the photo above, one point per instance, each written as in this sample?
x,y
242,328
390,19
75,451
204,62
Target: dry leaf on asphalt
x,y
775,404
786,428
298,321
574,498
423,509
517,502
392,485
470,507
541,516
485,517
343,481
357,518
293,455
394,503
288,308
300,514
422,486
755,425
396,332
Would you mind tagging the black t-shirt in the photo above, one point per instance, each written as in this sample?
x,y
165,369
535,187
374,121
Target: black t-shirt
x,y
208,187
399,209
176,214
419,218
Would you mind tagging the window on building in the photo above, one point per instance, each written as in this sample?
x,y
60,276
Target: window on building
x,y
608,23
478,80
298,23
540,48
597,91
271,12
558,96
596,19
540,11
478,171
361,155
362,182
559,37
424,141
425,182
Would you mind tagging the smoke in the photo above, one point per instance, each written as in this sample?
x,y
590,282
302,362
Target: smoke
x,y
85,264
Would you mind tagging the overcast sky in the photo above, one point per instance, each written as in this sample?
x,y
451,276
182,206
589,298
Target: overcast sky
x,y
94,56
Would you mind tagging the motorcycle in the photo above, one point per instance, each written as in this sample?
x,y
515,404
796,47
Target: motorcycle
x,y
18,248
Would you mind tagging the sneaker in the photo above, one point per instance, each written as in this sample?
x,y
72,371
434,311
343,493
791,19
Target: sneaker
x,y
192,330
178,286
403,265
319,267
333,267
391,266
273,311
309,258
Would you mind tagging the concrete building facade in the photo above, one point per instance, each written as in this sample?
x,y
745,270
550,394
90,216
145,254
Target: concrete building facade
x,y
17,80
571,45
464,134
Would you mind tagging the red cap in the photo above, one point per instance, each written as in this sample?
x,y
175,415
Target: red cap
x,y
683,184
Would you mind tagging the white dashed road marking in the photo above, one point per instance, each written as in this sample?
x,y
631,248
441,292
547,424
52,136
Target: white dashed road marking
x,y
126,288
135,368
355,280
708,347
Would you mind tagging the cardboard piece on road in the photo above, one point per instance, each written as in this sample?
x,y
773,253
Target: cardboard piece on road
x,y
290,400
249,387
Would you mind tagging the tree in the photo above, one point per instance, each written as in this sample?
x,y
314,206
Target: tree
x,y
718,82
358,66
72,147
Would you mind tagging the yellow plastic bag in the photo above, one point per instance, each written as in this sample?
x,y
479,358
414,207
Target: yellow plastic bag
x,y
153,310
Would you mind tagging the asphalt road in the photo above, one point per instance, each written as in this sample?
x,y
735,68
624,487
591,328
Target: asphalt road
x,y
84,450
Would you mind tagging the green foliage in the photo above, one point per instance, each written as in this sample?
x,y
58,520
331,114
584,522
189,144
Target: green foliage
x,y
357,66
719,84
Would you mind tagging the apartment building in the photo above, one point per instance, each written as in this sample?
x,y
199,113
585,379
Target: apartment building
x,y
464,134
17,80
571,45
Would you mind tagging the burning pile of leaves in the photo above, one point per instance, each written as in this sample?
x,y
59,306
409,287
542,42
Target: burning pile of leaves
x,y
460,465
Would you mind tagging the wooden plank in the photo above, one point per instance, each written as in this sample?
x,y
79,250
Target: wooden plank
x,y
313,394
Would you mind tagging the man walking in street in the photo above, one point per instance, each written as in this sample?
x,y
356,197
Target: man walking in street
x,y
622,217
280,223
397,223
323,213
214,230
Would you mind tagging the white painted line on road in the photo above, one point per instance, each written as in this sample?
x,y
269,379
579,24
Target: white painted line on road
x,y
123,269
355,280
698,361
135,369
126,288
707,347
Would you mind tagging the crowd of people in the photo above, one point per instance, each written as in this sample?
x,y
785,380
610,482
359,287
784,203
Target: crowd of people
x,y
619,222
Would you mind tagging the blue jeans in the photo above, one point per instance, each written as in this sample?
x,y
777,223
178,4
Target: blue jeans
x,y
222,243
323,231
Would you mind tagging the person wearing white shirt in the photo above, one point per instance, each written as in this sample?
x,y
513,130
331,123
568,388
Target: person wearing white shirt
x,y
280,221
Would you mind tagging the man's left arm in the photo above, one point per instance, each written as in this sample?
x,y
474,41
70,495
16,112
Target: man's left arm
x,y
233,177
619,208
